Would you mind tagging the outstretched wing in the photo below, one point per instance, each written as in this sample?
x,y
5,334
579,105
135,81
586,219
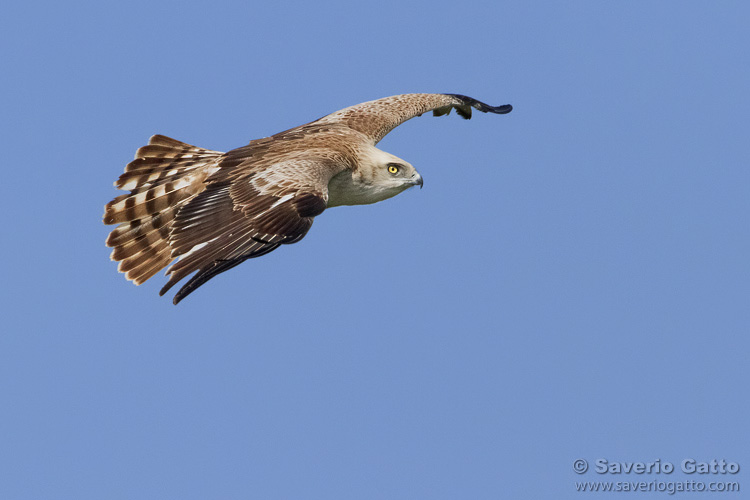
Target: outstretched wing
x,y
245,215
376,118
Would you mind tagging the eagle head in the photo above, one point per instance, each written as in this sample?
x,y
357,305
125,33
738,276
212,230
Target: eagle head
x,y
377,177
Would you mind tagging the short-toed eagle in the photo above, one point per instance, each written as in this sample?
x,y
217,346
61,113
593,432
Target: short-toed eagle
x,y
213,210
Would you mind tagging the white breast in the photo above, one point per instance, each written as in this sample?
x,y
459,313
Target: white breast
x,y
345,189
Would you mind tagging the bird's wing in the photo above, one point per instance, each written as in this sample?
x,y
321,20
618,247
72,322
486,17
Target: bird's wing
x,y
244,214
376,118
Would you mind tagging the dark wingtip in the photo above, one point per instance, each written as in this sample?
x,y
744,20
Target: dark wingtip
x,y
186,290
484,108
501,110
206,273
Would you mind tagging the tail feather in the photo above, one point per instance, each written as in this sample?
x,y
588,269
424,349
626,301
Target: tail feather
x,y
153,198
163,157
136,228
148,263
165,175
128,253
149,171
154,251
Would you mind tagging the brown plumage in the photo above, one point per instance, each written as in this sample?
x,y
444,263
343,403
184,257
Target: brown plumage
x,y
214,210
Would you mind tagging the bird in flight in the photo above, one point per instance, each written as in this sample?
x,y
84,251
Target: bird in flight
x,y
211,211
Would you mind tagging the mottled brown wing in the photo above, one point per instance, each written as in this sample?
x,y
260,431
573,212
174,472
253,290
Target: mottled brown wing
x,y
247,213
376,118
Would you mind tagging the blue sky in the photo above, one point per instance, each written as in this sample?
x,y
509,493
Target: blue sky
x,y
571,283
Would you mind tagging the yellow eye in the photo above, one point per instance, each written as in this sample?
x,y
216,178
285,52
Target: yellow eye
x,y
393,169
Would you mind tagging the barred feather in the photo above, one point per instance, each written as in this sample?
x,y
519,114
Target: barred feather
x,y
164,176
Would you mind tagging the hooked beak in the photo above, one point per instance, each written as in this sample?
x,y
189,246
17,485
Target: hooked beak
x,y
417,180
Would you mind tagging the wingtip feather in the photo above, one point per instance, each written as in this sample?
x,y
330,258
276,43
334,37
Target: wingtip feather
x,y
483,107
